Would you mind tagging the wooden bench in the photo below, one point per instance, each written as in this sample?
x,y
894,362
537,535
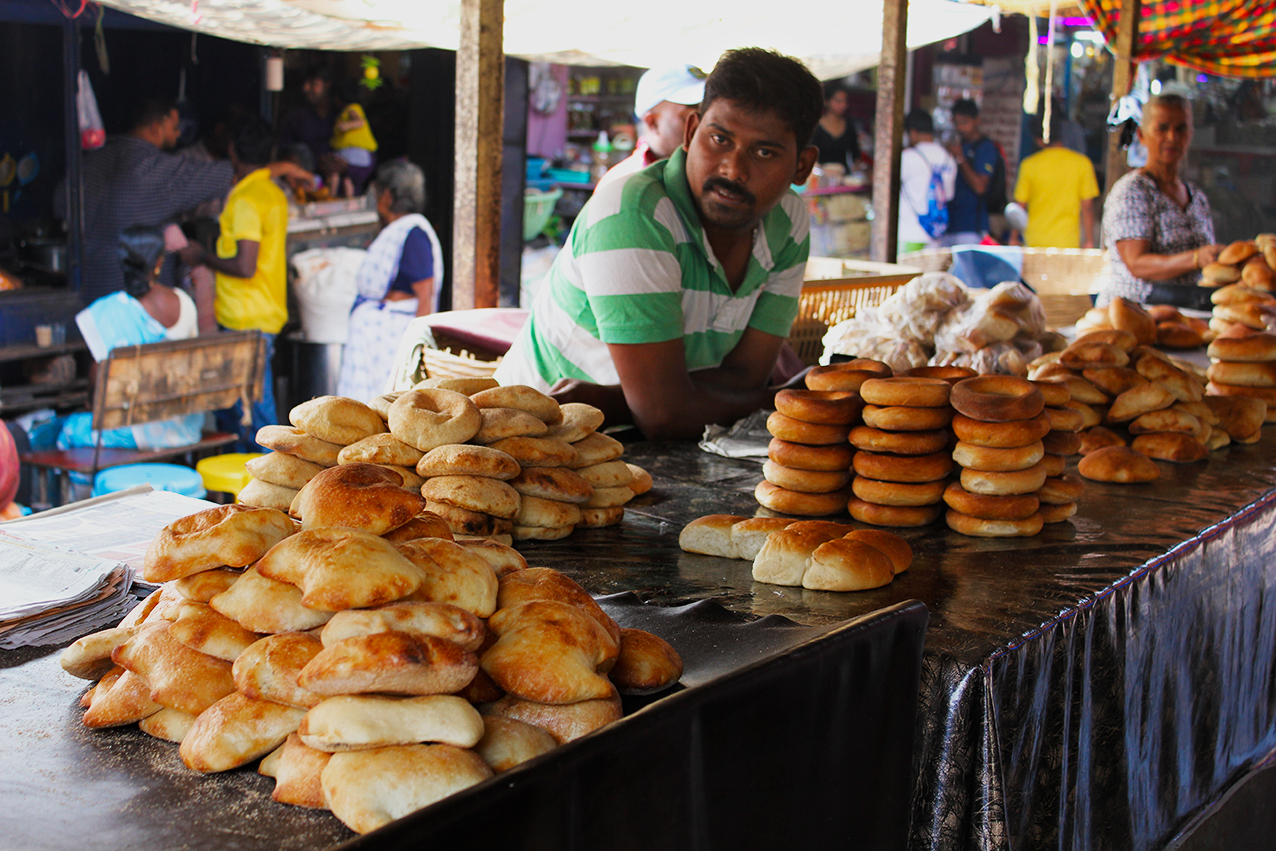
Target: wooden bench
x,y
158,381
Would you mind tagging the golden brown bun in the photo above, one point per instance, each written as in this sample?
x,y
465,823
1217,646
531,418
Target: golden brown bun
x,y
897,442
179,677
641,480
369,789
1002,483
893,546
1001,435
1240,416
523,398
171,725
997,398
1169,446
824,407
595,449
846,564
234,535
647,663
463,522
1256,348
579,421
564,722
1093,354
202,587
1243,373
287,471
1118,464
540,451
452,573
903,468
508,742
379,449
122,697
1139,400
201,628
389,662
89,657
429,418
805,481
500,423
893,515
898,493
1117,338
336,419
1219,274
907,391
296,442
297,774
340,568
1061,443
978,527
1178,335
1166,420
973,457
549,652
236,730
360,496
1238,252
1059,490
268,670
799,431
427,524
785,556
800,456
987,507
802,504
597,518
266,605
608,474
903,418
748,535
475,493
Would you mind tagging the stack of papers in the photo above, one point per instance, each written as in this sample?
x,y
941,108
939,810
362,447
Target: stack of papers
x,y
52,594
70,571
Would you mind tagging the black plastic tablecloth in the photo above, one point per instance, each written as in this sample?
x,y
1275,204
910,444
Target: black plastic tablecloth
x,y
1092,687
777,732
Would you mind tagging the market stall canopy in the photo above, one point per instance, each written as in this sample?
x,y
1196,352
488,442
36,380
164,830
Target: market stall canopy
x,y
1231,38
833,39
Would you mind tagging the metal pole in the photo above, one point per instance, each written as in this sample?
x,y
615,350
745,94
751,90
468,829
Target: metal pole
x,y
74,153
889,130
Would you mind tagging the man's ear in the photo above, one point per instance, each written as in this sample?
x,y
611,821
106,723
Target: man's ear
x,y
806,162
693,121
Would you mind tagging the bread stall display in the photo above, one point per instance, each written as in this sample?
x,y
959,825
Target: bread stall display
x,y
500,463
367,661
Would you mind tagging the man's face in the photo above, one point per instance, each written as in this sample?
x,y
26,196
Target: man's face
x,y
664,126
1167,133
171,127
315,90
967,127
740,163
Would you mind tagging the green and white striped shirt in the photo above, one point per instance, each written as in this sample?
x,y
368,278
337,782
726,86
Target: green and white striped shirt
x,y
637,269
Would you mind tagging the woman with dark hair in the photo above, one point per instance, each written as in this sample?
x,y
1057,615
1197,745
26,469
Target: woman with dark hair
x,y
146,311
397,281
835,135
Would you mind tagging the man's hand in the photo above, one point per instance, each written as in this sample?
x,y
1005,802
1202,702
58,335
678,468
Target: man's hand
x,y
192,254
608,398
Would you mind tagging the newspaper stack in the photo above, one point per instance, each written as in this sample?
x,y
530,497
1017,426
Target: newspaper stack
x,y
70,571
53,595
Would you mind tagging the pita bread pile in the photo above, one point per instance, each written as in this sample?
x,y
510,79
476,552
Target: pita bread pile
x,y
500,463
371,671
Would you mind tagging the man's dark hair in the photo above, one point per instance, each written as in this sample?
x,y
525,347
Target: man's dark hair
x,y
150,111
765,80
253,140
966,107
1056,126
832,87
319,71
918,120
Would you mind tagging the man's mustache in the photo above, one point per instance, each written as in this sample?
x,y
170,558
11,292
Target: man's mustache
x,y
728,187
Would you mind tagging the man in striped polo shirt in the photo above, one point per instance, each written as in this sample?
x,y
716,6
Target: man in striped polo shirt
x,y
677,286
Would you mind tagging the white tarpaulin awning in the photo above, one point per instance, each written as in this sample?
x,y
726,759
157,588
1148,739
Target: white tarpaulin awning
x,y
833,39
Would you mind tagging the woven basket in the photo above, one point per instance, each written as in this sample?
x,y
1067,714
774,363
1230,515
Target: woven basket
x,y
452,360
833,291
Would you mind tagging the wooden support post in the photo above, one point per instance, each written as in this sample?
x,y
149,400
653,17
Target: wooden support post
x,y
476,215
1122,74
889,130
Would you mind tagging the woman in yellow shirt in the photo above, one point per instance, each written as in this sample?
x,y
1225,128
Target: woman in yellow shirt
x,y
352,138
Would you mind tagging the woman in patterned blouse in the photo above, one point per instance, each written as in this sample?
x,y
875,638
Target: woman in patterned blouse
x,y
1157,225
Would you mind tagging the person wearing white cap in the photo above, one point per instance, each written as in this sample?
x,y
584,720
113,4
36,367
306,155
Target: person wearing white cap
x,y
662,102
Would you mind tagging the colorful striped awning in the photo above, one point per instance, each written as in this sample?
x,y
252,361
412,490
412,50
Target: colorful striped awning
x,y
1230,38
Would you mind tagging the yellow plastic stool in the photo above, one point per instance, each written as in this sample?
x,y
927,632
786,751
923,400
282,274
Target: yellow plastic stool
x,y
226,473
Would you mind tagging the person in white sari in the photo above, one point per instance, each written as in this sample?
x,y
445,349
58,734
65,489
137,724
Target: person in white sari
x,y
397,282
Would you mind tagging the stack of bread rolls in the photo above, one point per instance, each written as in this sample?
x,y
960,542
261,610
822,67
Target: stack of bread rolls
x,y
373,667
808,459
1059,493
462,444
999,425
1241,310
1244,367
903,459
819,555
1161,325
1249,262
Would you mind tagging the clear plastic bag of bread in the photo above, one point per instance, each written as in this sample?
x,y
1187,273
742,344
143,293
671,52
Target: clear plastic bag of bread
x,y
997,315
861,333
915,308
1002,358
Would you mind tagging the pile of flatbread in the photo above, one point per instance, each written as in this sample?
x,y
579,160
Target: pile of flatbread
x,y
503,463
371,670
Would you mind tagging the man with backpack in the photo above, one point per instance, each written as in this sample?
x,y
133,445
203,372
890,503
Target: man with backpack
x,y
926,177
978,165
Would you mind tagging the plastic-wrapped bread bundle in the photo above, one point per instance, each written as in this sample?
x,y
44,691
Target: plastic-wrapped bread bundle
x,y
999,423
903,461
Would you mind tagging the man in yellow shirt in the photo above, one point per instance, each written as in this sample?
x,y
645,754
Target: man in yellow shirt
x,y
250,263
1058,188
